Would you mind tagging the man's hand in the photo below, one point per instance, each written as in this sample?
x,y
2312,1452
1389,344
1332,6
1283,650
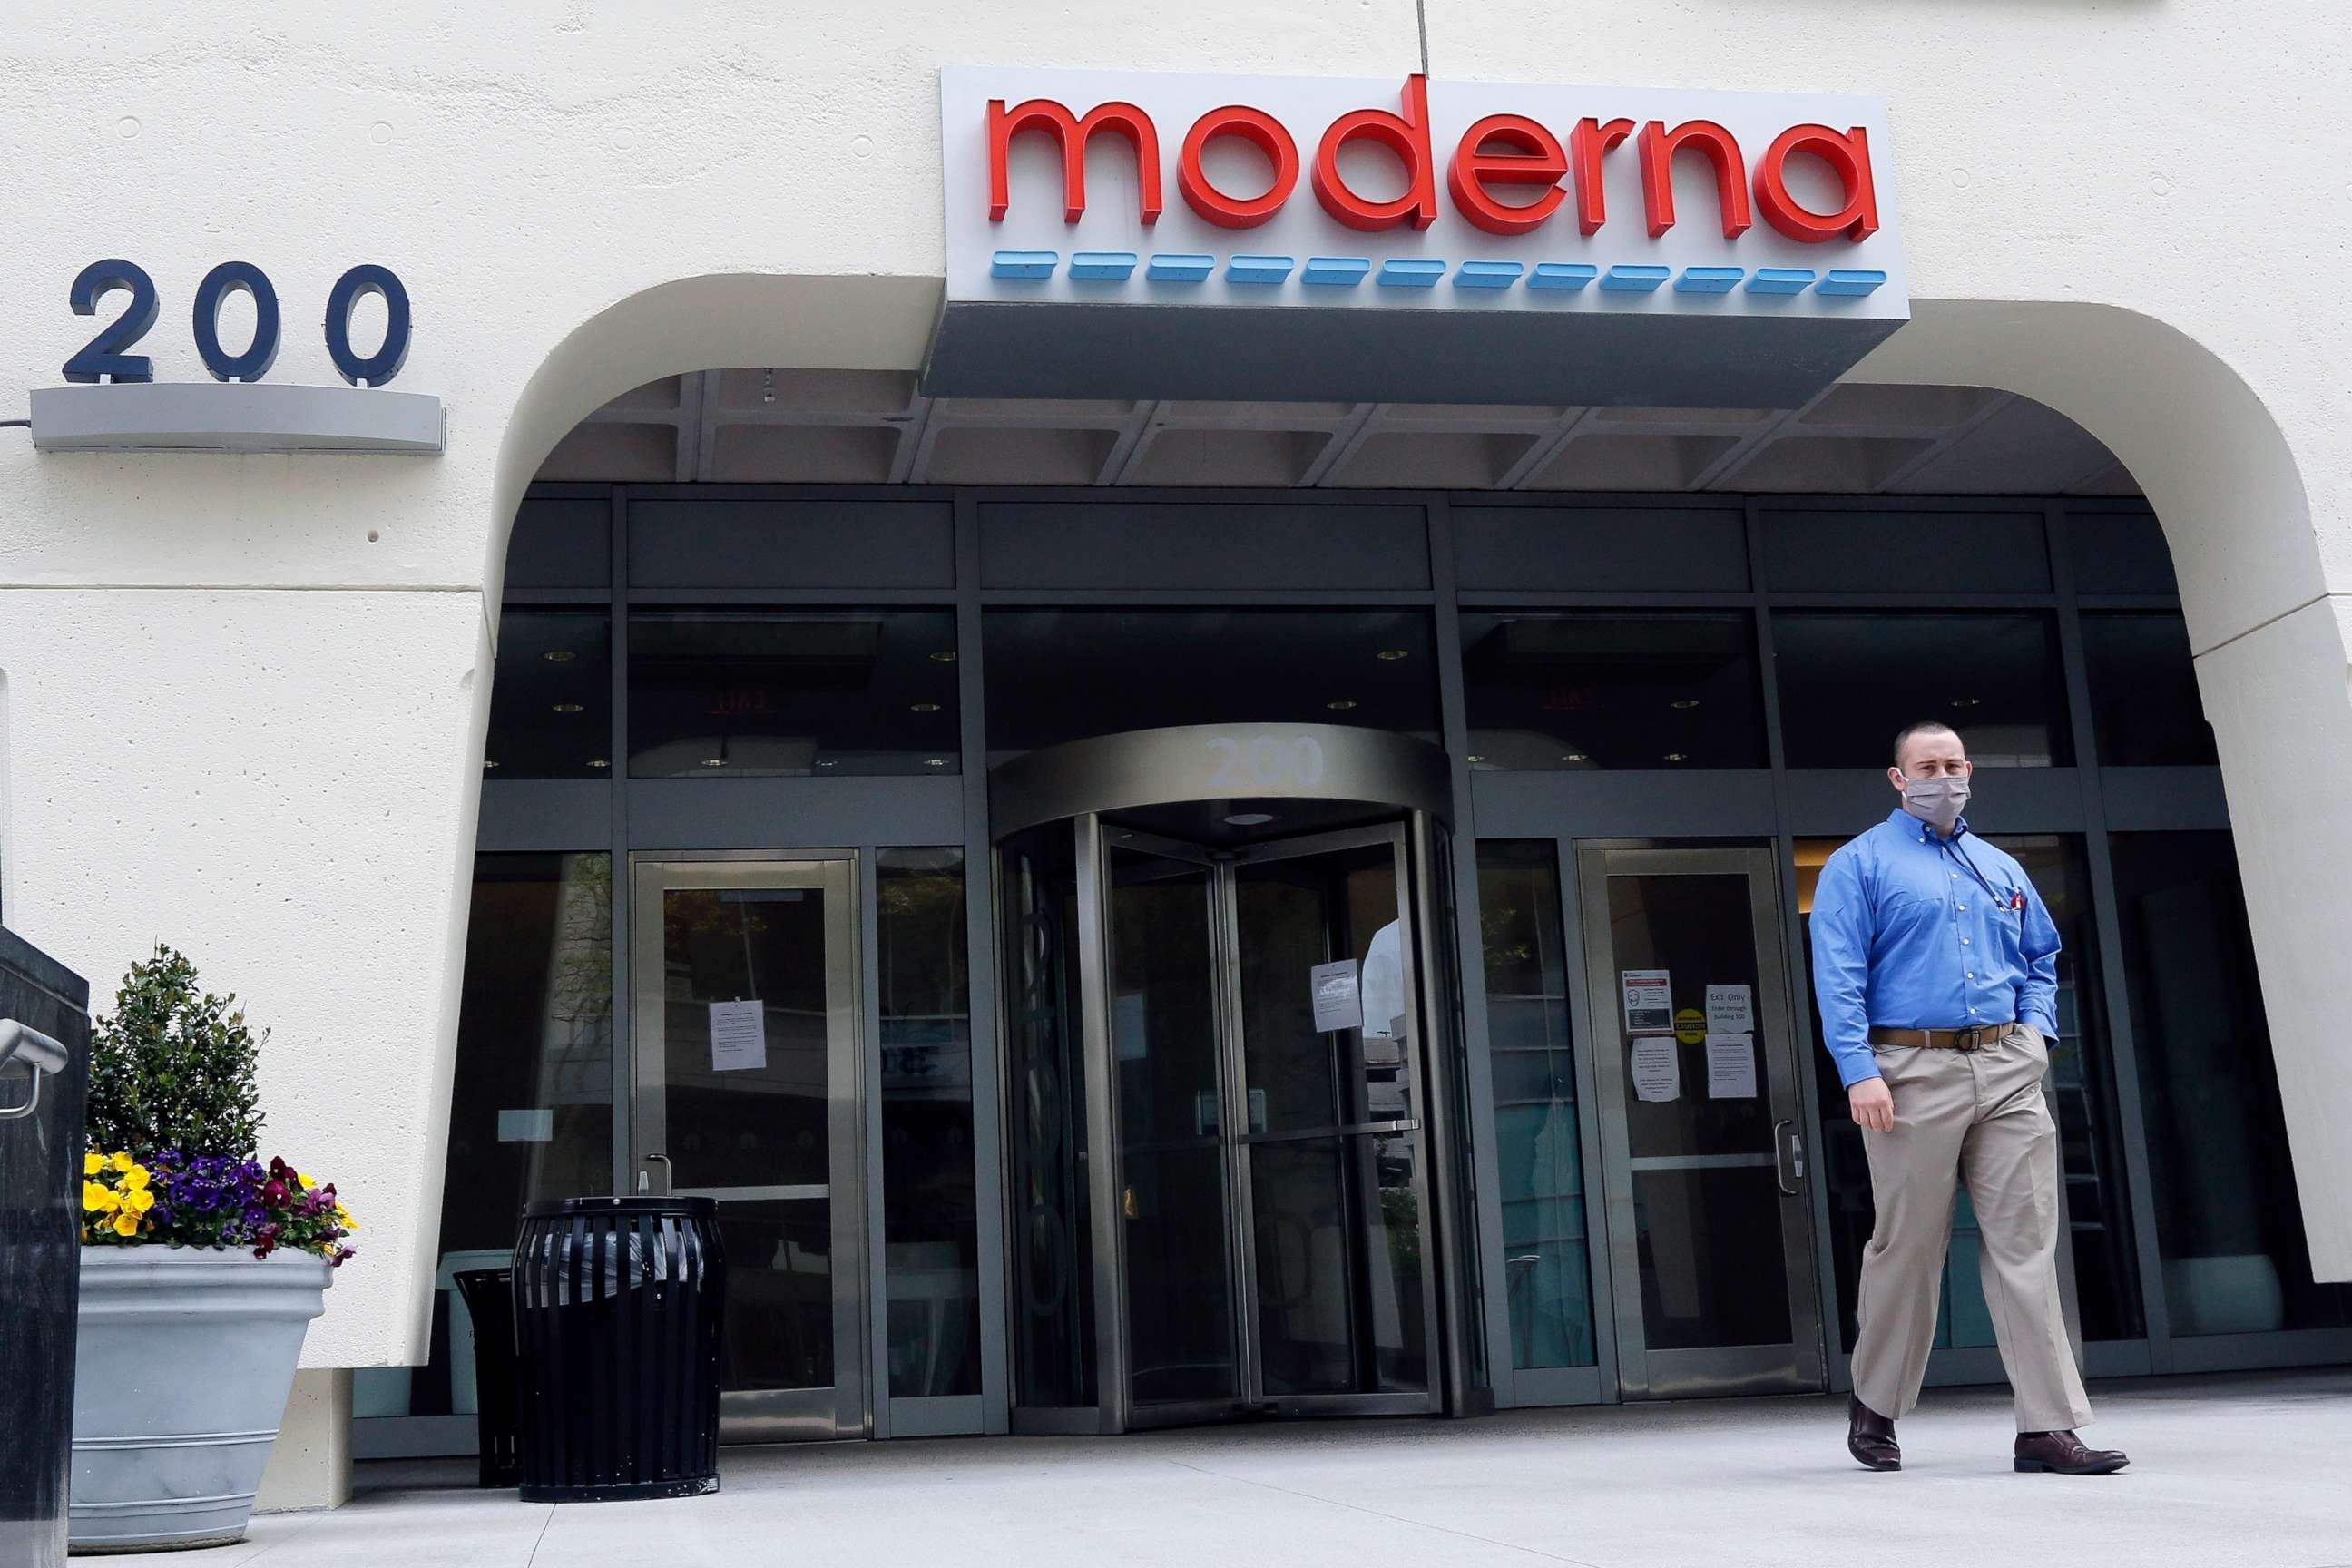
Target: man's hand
x,y
1873,1104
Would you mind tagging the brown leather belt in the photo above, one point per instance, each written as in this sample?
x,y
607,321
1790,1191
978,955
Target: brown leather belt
x,y
1968,1039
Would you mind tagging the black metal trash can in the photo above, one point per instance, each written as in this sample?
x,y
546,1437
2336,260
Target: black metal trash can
x,y
488,1295
44,1074
618,1304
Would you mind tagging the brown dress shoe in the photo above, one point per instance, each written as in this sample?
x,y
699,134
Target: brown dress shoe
x,y
2063,1453
1869,1438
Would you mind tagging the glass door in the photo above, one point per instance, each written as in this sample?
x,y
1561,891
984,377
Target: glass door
x,y
744,976
1709,1222
1328,1126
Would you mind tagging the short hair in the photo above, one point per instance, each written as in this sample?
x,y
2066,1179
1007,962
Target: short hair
x,y
1920,727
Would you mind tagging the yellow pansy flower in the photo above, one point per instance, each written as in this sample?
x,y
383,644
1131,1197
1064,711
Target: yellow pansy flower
x,y
140,1201
96,1199
92,1163
307,1182
122,1161
126,1225
135,1178
344,1217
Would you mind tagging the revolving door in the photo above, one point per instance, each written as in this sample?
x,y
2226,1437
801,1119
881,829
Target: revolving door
x,y
1233,1080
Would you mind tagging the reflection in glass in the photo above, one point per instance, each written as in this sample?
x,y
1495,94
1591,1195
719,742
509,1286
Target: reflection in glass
x,y
734,1122
1336,1216
1061,675
931,1240
531,1114
551,697
777,694
1164,1041
2143,704
1538,1150
1339,1288
2081,1094
1706,1196
2227,1225
1053,1300
1849,681
1550,692
777,1331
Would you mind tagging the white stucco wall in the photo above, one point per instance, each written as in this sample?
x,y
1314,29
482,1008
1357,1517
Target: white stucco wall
x,y
234,721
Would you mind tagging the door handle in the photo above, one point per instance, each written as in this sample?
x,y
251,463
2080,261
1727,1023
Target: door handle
x,y
668,1176
1781,1153
41,1057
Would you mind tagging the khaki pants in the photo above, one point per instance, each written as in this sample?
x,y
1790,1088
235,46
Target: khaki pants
x,y
1977,1114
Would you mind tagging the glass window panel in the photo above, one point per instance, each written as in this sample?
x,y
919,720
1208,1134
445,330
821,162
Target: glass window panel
x,y
1061,675
2143,704
2227,1222
552,696
2081,1093
788,694
1052,1255
1538,1149
1578,691
1849,681
530,1113
930,1216
778,1330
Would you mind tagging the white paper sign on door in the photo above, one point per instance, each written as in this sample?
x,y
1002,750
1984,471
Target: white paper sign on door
x,y
1649,1001
1338,1005
1731,1066
738,1037
1657,1068
1730,1010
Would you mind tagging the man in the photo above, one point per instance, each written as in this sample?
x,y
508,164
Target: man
x,y
1935,962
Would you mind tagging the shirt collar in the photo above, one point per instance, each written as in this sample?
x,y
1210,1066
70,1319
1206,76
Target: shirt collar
x,y
1903,822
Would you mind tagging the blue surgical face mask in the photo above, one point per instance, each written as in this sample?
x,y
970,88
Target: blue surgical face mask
x,y
1935,802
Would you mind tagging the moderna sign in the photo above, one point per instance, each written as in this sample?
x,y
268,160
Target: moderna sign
x,y
1411,240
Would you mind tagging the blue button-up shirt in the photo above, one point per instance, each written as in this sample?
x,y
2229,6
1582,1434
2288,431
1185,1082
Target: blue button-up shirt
x,y
1913,931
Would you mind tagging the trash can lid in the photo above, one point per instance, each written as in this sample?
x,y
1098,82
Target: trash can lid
x,y
678,1208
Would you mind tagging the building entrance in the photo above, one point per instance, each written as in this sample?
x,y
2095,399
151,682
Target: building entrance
x,y
1231,1068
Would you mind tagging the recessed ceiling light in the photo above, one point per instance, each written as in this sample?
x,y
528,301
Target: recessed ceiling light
x,y
1391,655
1476,758
1249,819
1341,704
935,761
1965,701
714,762
1678,756
945,656
598,762
567,707
489,761
1684,702
558,656
1571,756
827,763
923,708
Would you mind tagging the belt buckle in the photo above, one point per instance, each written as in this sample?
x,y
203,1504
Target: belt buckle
x,y
1964,1041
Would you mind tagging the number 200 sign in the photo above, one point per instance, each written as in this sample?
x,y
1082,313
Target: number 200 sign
x,y
104,357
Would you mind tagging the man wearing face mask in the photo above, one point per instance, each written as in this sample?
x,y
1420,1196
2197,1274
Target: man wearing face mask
x,y
1935,962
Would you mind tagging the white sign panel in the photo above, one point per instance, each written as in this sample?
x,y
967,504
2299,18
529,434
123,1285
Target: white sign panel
x,y
1374,194
1731,1009
738,1037
1657,1068
1649,1000
1338,1004
1731,1066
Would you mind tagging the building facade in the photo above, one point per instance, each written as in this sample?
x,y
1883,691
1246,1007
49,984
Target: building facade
x,y
1176,855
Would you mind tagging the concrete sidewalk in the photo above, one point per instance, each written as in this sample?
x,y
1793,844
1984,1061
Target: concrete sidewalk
x,y
2249,1470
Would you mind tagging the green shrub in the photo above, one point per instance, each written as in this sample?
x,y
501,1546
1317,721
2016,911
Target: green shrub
x,y
173,1068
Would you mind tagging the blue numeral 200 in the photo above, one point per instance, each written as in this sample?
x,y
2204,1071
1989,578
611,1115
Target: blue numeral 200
x,y
104,357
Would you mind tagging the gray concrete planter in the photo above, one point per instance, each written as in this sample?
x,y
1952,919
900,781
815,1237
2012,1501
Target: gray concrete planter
x,y
180,1380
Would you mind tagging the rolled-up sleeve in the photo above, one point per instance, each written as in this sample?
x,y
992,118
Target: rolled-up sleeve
x,y
1841,933
2037,994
